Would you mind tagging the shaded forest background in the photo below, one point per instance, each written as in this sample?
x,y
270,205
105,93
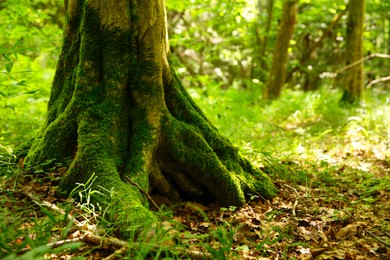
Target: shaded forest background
x,y
305,138
215,46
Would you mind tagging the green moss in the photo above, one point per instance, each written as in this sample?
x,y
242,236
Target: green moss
x,y
208,143
56,141
199,161
127,211
256,181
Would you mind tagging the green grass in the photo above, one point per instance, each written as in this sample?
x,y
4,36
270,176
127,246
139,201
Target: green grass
x,y
298,123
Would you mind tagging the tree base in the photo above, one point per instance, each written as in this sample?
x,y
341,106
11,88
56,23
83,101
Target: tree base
x,y
191,161
118,110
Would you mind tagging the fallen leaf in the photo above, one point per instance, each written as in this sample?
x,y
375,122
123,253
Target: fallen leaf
x,y
347,232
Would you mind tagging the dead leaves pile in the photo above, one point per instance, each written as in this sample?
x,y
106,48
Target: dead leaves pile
x,y
300,223
318,222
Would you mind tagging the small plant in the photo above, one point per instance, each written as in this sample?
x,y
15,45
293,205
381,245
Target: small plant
x,y
85,193
221,242
29,237
230,208
6,161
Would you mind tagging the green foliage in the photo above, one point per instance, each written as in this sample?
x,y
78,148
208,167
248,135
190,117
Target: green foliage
x,y
224,237
299,126
6,161
29,41
220,42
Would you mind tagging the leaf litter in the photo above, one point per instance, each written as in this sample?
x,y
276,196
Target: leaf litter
x,y
344,217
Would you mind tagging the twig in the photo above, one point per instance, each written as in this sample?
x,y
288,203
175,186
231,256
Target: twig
x,y
378,238
88,236
369,232
296,199
51,206
46,204
117,254
377,81
144,192
63,242
374,55
91,238
99,240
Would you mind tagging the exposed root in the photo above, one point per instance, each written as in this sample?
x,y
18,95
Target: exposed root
x,y
88,236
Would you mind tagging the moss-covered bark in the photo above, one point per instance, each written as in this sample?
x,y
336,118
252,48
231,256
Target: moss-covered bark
x,y
119,111
353,84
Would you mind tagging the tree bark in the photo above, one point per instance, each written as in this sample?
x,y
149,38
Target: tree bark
x,y
353,85
118,110
262,41
277,74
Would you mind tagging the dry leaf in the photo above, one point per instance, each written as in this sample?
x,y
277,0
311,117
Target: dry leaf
x,y
347,232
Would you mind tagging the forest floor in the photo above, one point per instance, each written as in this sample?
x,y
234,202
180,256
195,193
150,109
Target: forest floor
x,y
345,215
330,164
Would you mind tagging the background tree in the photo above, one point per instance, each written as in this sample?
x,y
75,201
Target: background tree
x,y
353,86
119,111
277,74
211,43
262,35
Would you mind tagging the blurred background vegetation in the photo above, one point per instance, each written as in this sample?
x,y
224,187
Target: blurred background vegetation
x,y
223,52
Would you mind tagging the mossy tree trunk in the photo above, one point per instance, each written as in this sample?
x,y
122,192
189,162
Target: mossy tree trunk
x,y
277,74
119,111
353,84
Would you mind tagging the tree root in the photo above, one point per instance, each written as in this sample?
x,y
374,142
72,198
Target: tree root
x,y
88,236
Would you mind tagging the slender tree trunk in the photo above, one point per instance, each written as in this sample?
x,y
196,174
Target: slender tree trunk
x,y
277,74
263,41
353,85
118,110
270,8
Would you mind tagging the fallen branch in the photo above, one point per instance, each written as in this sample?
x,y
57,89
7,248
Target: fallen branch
x,y
91,238
99,240
49,205
63,242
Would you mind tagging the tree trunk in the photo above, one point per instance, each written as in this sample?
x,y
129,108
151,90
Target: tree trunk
x,y
353,85
263,41
118,110
277,74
